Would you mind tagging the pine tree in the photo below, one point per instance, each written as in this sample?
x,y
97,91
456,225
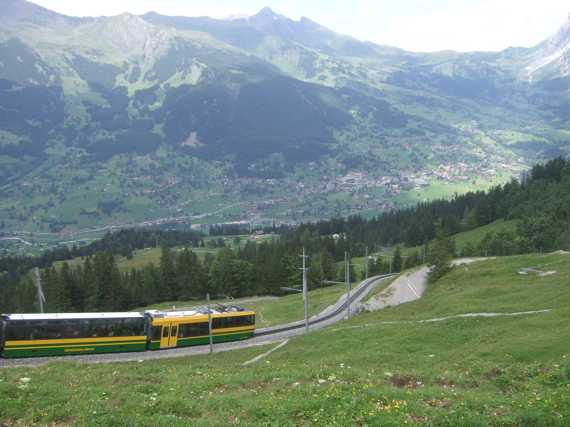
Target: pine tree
x,y
397,261
108,282
90,287
66,288
150,284
442,250
221,272
190,275
412,260
169,285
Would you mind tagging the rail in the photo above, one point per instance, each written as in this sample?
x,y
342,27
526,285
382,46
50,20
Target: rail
x,y
363,287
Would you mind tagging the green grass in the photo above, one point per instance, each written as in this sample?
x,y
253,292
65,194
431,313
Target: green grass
x,y
476,235
509,371
140,259
143,257
290,308
493,286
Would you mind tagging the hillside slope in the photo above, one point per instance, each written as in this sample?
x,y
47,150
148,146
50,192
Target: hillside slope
x,y
116,120
379,368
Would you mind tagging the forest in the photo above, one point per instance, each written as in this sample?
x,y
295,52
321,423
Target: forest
x,y
540,202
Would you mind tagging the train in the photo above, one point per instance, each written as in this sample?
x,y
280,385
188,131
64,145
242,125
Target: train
x,y
35,335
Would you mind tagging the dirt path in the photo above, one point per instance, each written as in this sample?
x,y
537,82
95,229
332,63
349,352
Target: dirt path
x,y
445,318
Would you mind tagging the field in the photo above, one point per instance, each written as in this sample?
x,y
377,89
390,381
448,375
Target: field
x,y
371,370
476,235
143,257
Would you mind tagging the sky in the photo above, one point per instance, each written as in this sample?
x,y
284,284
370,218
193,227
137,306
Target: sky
x,y
416,25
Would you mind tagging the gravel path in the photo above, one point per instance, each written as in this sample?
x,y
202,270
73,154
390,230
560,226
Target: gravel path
x,y
358,294
445,318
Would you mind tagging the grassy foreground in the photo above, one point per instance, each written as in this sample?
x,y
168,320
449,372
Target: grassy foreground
x,y
508,371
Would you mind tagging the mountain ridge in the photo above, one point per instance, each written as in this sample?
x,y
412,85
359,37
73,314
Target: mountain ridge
x,y
194,106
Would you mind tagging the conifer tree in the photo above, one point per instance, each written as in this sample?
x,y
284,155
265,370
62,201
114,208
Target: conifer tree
x,y
442,250
397,261
90,286
169,289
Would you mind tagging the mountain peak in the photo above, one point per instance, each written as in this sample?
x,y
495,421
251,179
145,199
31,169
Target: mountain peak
x,y
17,11
266,11
267,16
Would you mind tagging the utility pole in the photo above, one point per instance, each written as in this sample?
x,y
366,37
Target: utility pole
x,y
366,264
210,337
41,296
305,294
347,282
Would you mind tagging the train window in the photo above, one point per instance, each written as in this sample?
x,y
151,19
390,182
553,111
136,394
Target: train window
x,y
73,328
193,330
156,331
165,331
133,327
218,323
233,322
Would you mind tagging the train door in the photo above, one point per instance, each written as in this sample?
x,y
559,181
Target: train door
x,y
169,337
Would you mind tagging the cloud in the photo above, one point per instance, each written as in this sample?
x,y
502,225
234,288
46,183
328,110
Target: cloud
x,y
468,26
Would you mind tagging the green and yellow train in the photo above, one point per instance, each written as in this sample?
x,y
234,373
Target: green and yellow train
x,y
30,335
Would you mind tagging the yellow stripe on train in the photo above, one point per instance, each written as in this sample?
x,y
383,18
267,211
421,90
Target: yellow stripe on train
x,y
74,341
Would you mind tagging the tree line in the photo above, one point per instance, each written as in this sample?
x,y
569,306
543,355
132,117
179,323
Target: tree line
x,y
97,284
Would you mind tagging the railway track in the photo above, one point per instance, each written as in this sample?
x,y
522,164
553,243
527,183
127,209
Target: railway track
x,y
341,306
261,337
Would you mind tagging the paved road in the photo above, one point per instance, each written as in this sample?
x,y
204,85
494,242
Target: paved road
x,y
263,336
408,287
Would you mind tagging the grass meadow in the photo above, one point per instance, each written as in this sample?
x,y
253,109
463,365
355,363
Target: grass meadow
x,y
381,368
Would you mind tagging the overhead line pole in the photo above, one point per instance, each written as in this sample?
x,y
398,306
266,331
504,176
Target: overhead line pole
x,y
210,336
41,296
347,281
305,293
366,264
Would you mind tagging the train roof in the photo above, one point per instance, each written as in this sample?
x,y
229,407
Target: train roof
x,y
73,316
197,311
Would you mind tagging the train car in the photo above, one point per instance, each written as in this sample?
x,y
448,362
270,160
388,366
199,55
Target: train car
x,y
29,335
184,328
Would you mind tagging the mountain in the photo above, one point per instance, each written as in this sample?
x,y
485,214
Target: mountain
x,y
129,119
551,59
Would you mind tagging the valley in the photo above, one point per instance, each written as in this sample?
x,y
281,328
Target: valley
x,y
173,120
